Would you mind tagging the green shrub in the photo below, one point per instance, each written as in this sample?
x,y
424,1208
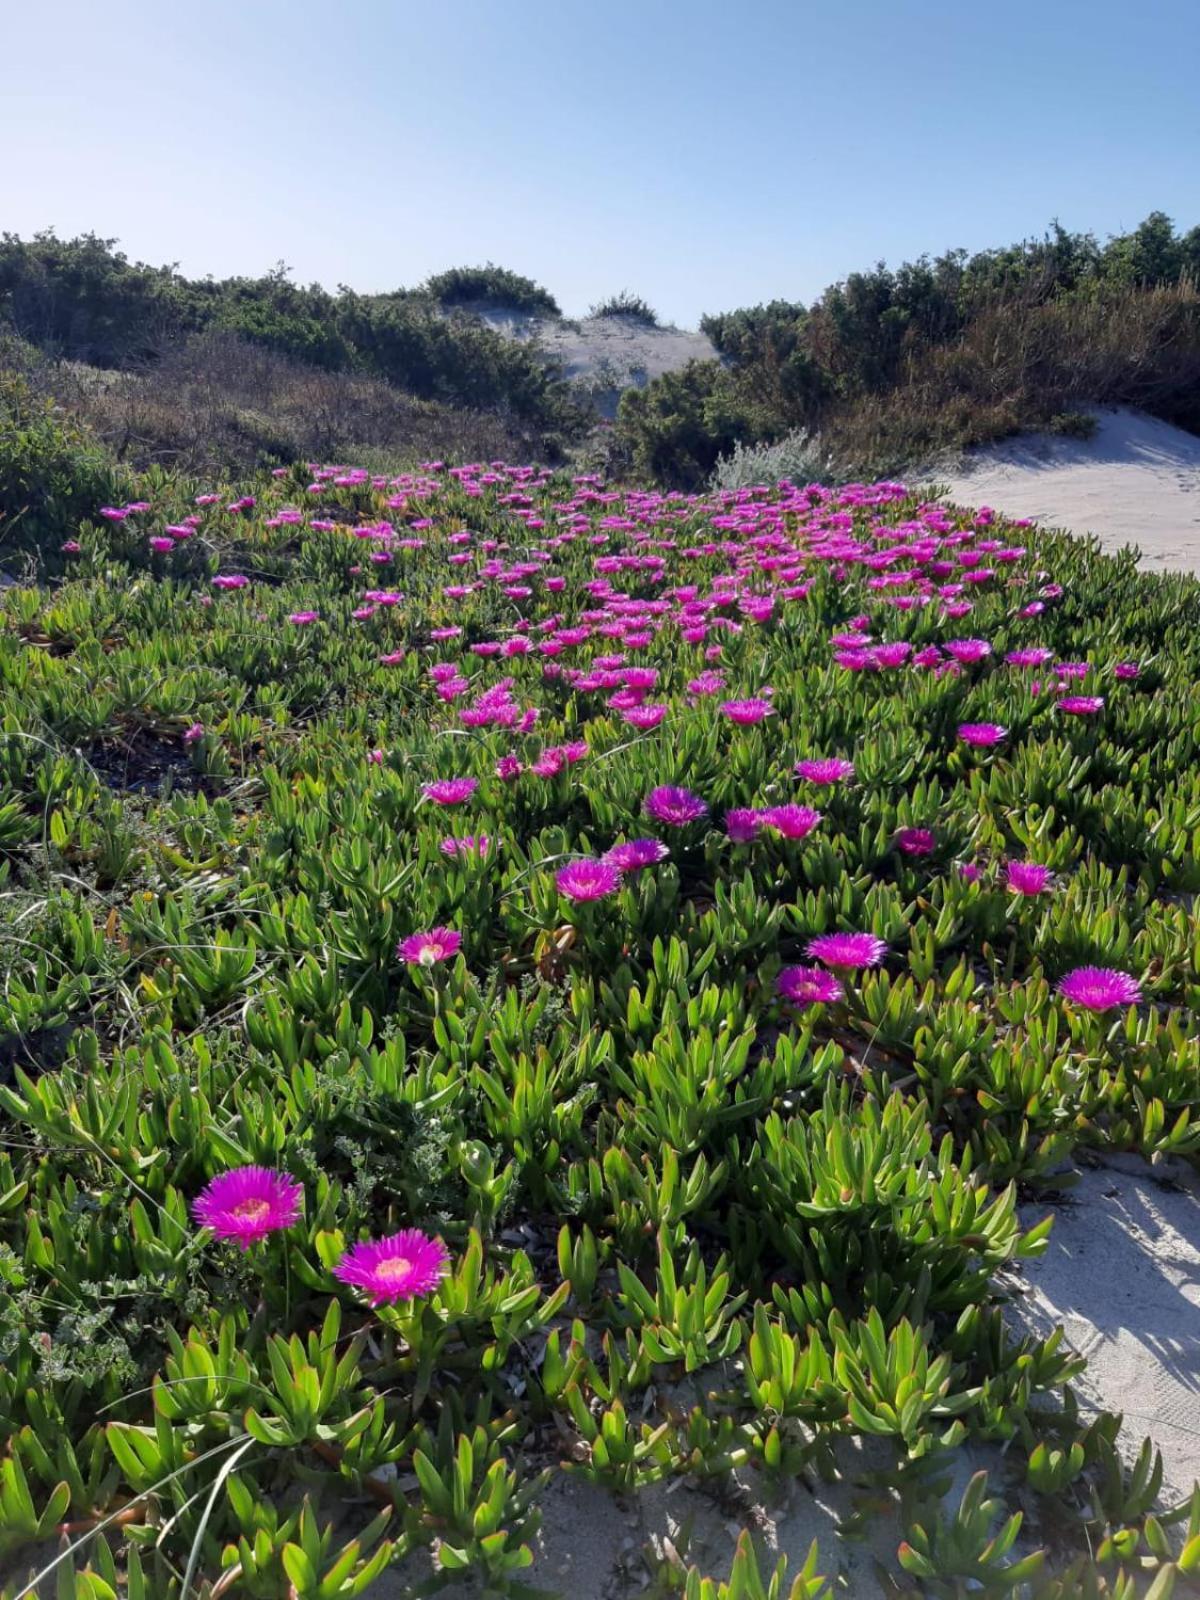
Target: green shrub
x,y
491,285
52,473
626,304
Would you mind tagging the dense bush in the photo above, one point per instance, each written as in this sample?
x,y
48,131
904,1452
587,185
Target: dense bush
x,y
890,364
491,285
82,300
52,472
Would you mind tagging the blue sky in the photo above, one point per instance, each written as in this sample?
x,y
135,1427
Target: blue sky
x,y
705,155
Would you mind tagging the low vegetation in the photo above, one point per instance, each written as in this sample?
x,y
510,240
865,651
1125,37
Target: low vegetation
x,y
508,980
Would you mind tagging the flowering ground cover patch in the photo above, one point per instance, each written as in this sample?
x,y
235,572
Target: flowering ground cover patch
x,y
583,993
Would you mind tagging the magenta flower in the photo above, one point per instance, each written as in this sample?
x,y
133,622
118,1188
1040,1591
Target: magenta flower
x,y
1081,705
743,824
1026,877
916,841
1126,670
588,879
981,734
450,791
644,718
827,769
401,1267
468,845
746,712
246,1204
847,950
636,854
793,822
967,651
230,580
303,618
194,734
1034,657
807,986
1100,988
161,545
969,872
674,806
426,949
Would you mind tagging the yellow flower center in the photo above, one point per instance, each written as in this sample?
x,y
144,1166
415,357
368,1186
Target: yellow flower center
x,y
252,1210
393,1272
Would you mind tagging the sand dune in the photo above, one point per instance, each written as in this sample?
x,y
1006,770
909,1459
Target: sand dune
x,y
1137,482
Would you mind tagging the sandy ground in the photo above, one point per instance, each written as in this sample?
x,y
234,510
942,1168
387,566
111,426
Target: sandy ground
x,y
605,354
1121,1275
1136,482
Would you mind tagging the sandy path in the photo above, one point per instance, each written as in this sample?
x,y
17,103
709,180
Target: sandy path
x,y
1136,482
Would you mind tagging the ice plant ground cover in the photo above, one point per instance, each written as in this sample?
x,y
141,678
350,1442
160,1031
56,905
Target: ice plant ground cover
x,y
422,1075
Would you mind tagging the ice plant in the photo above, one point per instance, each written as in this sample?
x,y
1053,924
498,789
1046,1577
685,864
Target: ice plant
x,y
1099,988
469,844
403,1266
427,949
588,880
743,824
847,950
674,806
792,822
981,735
746,712
916,841
825,769
1081,705
1026,877
635,854
450,791
248,1203
808,986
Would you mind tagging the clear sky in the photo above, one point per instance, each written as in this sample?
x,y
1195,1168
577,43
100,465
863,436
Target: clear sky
x,y
706,154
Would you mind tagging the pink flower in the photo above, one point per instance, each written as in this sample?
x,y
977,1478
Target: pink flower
x,y
743,824
807,986
745,712
969,872
981,734
70,547
508,768
793,822
645,717
230,580
916,841
1126,670
194,734
1026,877
246,1204
1034,657
588,880
967,651
468,845
450,791
829,769
1081,705
674,806
400,1267
303,618
847,950
161,545
636,854
426,949
1100,988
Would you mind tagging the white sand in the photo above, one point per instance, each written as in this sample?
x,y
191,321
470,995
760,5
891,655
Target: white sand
x,y
1122,1276
1137,482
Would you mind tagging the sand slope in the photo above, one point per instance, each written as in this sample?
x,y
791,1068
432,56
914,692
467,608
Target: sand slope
x,y
1136,482
605,354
